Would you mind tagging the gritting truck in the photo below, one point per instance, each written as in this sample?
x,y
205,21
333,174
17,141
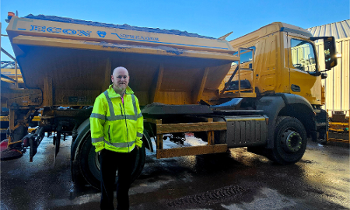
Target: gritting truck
x,y
261,91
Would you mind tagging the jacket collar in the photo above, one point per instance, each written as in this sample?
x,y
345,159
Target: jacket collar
x,y
113,94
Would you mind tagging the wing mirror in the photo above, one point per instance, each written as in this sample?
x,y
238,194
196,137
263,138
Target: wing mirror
x,y
329,51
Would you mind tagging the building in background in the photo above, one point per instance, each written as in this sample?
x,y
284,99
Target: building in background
x,y
337,83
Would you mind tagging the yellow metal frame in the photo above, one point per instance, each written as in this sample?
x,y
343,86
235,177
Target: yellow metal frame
x,y
339,127
208,127
36,119
4,118
13,74
16,76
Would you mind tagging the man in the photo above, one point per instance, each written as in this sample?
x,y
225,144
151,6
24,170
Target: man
x,y
116,131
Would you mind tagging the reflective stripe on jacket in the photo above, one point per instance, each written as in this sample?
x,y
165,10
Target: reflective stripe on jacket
x,y
116,126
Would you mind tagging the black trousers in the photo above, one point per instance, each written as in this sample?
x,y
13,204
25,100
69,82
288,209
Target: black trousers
x,y
110,163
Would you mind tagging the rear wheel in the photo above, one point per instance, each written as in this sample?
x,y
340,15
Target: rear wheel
x,y
290,141
89,166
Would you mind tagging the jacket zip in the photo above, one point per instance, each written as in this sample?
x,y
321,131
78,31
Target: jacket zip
x,y
126,124
109,133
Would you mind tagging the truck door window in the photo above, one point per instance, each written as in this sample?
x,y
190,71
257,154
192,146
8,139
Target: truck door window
x,y
303,55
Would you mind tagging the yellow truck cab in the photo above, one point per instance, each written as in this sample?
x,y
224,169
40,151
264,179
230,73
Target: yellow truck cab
x,y
285,61
279,60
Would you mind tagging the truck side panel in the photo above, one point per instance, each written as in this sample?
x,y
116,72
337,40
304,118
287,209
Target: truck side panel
x,y
246,131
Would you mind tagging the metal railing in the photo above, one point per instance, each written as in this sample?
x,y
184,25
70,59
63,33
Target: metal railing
x,y
16,65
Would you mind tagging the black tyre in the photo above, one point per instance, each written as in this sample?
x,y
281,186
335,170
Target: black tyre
x,y
89,165
290,141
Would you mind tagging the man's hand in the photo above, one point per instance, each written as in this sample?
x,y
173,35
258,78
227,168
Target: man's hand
x,y
137,147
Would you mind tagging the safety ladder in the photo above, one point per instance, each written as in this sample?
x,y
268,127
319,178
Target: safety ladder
x,y
246,92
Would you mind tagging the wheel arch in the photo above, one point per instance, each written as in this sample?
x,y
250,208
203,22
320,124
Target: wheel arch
x,y
303,113
285,104
147,140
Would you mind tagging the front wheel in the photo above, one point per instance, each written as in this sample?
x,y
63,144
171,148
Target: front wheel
x,y
290,141
89,165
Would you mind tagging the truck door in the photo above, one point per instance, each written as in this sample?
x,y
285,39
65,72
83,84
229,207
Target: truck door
x,y
302,62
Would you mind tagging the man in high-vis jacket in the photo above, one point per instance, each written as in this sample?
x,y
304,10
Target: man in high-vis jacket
x,y
116,132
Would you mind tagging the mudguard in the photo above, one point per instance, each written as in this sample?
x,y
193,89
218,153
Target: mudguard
x,y
272,107
83,130
147,140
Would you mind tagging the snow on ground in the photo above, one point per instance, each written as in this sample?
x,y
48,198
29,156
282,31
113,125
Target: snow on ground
x,y
190,141
193,141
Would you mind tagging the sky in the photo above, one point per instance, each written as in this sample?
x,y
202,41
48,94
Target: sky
x,y
213,18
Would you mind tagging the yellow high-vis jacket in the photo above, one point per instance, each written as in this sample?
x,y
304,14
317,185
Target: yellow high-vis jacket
x,y
116,126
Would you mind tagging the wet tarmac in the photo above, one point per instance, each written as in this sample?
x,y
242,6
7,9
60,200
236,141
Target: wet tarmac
x,y
235,180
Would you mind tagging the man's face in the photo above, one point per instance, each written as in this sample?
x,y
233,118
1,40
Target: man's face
x,y
120,79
